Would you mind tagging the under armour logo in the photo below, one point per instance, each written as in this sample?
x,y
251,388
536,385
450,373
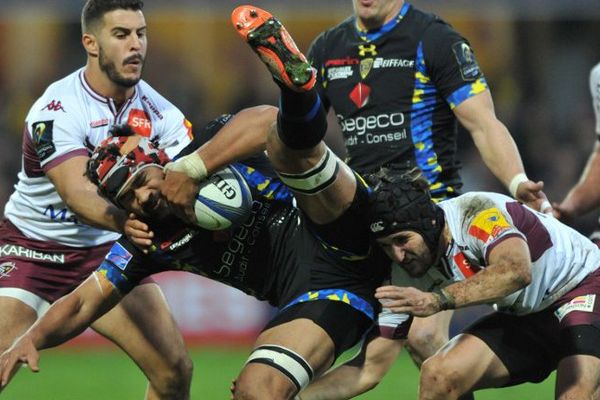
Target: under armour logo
x,y
54,106
363,50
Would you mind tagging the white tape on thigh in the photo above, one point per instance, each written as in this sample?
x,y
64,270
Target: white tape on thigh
x,y
286,361
32,300
315,179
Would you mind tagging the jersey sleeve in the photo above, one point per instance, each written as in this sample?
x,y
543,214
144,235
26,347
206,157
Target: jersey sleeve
x,y
174,131
124,265
451,64
487,229
393,325
595,90
56,129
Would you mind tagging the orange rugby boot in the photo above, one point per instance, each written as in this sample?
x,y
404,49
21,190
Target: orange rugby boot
x,y
275,47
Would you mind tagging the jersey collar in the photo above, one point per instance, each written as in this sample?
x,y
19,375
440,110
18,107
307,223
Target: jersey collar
x,y
103,99
374,34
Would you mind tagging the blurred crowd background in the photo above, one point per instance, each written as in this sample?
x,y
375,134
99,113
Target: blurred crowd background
x,y
536,55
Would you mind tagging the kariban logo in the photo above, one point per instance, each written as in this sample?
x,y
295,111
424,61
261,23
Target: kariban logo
x,y
377,226
18,251
54,106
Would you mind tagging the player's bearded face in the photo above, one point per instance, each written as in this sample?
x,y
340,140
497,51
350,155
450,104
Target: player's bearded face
x,y
409,250
115,70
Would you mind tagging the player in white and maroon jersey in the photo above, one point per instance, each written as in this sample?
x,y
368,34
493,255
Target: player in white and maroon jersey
x,y
585,195
486,248
57,229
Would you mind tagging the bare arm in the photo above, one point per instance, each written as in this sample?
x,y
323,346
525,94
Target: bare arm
x,y
509,270
244,135
66,318
496,146
81,197
358,375
585,195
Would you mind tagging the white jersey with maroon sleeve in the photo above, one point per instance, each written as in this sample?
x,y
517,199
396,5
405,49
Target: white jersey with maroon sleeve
x,y
70,119
478,221
561,257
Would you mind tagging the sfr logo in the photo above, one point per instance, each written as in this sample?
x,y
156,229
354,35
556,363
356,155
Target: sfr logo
x,y
140,122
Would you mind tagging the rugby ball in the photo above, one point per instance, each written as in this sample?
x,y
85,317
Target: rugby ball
x,y
224,199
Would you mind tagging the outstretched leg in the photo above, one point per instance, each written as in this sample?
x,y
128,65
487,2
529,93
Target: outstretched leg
x,y
323,185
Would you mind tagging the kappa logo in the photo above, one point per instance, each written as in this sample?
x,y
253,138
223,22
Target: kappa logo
x,y
363,50
6,268
54,105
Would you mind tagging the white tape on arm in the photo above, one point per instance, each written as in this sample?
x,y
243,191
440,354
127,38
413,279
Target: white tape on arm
x,y
515,182
191,165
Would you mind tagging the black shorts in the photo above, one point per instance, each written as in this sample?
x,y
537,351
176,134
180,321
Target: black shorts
x,y
344,324
531,346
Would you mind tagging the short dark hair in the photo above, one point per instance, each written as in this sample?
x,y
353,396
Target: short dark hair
x,y
94,10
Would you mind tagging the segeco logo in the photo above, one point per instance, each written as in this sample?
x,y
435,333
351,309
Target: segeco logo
x,y
361,124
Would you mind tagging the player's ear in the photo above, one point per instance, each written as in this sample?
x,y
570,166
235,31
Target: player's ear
x,y
90,44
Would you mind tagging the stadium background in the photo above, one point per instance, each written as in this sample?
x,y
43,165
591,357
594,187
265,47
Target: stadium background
x,y
536,55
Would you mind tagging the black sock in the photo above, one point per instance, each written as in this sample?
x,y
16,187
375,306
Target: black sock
x,y
302,120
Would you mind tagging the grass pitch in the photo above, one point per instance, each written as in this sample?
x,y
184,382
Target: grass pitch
x,y
106,374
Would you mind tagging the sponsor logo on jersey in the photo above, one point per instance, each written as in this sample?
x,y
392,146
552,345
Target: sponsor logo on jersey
x,y
42,139
99,123
63,215
365,67
140,122
341,62
360,95
367,50
6,268
23,252
54,105
393,63
583,303
119,256
339,73
152,107
469,69
488,225
464,265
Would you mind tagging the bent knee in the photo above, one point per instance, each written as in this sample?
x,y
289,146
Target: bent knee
x,y
261,383
440,380
425,342
174,381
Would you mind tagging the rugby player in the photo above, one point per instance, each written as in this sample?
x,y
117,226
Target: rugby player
x,y
56,229
399,81
322,282
484,248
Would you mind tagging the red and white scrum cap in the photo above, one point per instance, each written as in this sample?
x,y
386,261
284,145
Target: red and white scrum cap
x,y
117,159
